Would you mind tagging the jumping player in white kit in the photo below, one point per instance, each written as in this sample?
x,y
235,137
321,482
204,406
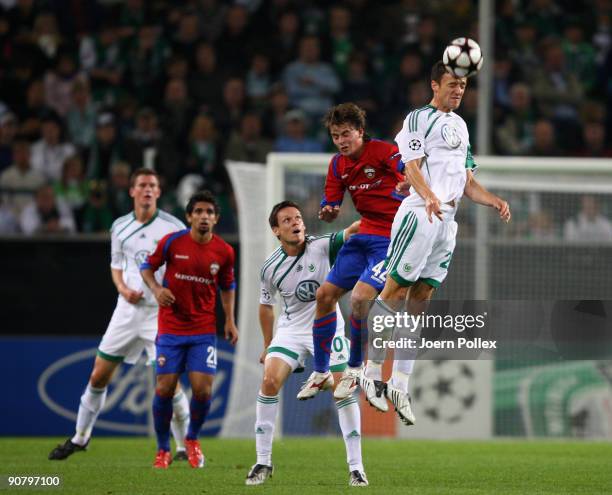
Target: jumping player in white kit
x,y
133,326
295,271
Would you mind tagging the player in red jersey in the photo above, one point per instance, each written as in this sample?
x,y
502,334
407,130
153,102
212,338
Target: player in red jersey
x,y
197,262
369,169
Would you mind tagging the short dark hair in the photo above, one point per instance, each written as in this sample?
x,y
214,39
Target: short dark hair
x,y
142,171
438,70
202,197
346,113
273,219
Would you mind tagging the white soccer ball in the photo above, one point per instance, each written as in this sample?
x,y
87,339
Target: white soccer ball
x,y
463,57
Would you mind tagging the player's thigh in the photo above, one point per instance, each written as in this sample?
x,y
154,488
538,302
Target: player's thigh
x,y
202,354
102,372
146,329
171,354
412,241
121,334
291,347
374,273
276,371
436,269
349,264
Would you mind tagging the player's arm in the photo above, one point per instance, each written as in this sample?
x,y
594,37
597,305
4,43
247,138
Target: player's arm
x,y
333,193
414,178
117,262
164,296
266,322
479,194
228,301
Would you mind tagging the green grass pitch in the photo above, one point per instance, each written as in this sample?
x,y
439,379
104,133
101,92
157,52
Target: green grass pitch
x,y
317,466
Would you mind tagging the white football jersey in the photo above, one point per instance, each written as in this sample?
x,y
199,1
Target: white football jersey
x,y
296,279
443,139
131,243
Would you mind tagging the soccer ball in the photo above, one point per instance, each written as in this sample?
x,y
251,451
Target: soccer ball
x,y
444,390
463,57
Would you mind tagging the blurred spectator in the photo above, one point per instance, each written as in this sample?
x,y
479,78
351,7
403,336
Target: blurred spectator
x,y
72,188
523,52
236,44
579,55
102,59
106,149
8,131
283,43
33,110
187,35
469,113
339,44
259,80
357,86
144,140
515,134
19,181
274,116
310,83
411,71
50,152
429,44
177,111
227,116
589,225
59,84
594,141
212,15
248,145
8,221
133,16
46,35
502,81
294,139
541,226
206,82
119,200
202,156
46,214
544,143
546,17
97,215
81,118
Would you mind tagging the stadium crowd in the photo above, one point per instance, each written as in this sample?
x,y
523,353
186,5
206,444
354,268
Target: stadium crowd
x,y
93,89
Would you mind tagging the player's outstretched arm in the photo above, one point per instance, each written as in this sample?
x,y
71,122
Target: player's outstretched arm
x,y
479,194
414,178
131,296
266,322
163,296
228,301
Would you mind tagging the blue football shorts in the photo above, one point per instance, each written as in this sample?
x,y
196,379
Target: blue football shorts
x,y
179,353
362,259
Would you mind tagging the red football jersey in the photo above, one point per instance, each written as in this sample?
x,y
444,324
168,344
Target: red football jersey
x,y
193,273
371,181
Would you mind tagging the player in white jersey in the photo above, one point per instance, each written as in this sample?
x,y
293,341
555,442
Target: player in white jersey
x,y
435,147
295,271
133,326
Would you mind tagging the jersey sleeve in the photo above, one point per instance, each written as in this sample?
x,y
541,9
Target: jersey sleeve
x,y
334,187
336,240
117,256
158,258
411,139
267,291
226,273
391,158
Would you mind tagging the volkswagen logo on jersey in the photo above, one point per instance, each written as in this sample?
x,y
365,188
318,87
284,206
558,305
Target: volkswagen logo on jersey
x,y
214,268
369,172
306,290
141,256
450,135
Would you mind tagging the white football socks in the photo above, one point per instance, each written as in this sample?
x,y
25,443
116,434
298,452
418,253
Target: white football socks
x,y
266,411
92,402
349,418
180,419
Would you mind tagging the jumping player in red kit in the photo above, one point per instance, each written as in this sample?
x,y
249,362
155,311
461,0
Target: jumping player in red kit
x,y
197,262
369,169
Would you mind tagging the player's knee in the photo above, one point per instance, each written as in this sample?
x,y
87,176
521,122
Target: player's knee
x,y
325,298
421,292
100,378
202,392
270,385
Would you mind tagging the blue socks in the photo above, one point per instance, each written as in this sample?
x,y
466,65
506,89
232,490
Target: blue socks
x,y
162,415
198,409
356,354
323,331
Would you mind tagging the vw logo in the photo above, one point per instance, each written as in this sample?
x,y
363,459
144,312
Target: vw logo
x,y
450,135
306,290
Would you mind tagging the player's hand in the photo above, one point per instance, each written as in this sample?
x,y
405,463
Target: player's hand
x,y
164,297
131,296
432,206
231,332
504,209
403,187
262,358
329,213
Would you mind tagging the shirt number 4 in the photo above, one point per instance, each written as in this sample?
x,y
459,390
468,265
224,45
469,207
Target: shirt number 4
x,y
379,273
